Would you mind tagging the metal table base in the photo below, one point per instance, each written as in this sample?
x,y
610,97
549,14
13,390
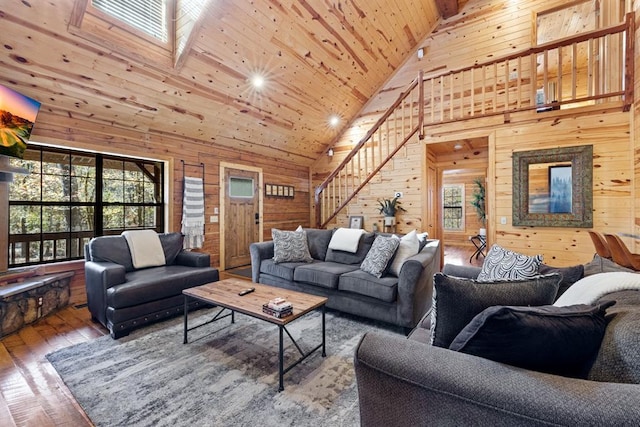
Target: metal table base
x,y
282,329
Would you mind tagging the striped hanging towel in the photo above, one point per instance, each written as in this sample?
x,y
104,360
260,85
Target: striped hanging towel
x,y
193,213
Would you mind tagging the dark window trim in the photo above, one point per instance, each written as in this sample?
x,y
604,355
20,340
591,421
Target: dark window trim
x,y
70,236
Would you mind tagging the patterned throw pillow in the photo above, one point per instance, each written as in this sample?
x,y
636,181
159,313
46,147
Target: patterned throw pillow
x,y
381,252
502,263
290,246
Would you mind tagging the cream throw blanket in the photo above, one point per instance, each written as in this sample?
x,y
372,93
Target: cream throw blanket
x,y
590,289
145,247
346,239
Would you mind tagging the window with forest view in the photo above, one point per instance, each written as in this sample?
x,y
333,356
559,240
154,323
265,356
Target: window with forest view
x,y
452,206
67,197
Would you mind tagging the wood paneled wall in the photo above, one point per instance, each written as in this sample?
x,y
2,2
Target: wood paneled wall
x,y
285,213
402,174
498,29
613,188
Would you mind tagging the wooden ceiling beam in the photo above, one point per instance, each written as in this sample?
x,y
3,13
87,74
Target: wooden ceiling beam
x,y
447,8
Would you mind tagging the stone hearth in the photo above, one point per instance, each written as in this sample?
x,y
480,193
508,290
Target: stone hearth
x,y
25,302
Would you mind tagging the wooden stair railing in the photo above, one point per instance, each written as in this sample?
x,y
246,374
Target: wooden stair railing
x,y
592,67
390,133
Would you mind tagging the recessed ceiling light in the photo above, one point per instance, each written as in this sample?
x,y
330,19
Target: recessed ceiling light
x,y
257,81
457,146
334,120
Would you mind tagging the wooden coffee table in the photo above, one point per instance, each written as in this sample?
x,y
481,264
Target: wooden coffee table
x,y
224,294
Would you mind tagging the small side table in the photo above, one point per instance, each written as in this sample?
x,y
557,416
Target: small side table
x,y
480,242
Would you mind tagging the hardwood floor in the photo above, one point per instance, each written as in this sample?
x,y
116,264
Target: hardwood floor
x,y
32,393
459,255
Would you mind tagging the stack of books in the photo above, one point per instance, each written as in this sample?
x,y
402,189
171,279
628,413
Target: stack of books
x,y
278,307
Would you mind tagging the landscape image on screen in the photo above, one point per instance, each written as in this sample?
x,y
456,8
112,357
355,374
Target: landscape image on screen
x,y
17,116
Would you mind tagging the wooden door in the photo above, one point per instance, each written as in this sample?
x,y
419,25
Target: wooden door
x,y
241,215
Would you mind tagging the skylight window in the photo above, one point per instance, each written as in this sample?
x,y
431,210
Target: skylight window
x,y
149,16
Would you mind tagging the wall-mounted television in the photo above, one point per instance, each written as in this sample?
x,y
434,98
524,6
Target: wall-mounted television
x,y
17,116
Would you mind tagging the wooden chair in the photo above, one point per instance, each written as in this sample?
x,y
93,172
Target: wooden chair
x,y
602,248
621,254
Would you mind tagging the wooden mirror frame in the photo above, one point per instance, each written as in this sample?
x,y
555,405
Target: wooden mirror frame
x,y
581,159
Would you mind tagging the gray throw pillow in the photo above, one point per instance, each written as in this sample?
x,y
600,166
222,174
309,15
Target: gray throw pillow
x,y
379,255
318,242
603,265
290,246
557,340
618,360
501,263
343,257
456,301
570,275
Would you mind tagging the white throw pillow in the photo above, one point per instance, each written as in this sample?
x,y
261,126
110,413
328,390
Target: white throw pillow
x,y
409,246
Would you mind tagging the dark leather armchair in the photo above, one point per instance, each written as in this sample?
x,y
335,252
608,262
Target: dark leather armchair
x,y
122,298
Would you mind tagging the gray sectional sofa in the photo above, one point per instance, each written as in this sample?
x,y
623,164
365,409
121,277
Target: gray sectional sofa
x,y
400,300
122,297
408,381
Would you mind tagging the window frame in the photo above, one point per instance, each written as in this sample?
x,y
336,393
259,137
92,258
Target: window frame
x,y
127,26
460,208
96,26
80,237
242,178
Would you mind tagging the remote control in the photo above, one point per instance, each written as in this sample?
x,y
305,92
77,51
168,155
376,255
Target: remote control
x,y
246,291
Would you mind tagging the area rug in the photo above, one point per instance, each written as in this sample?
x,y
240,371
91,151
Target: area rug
x,y
225,375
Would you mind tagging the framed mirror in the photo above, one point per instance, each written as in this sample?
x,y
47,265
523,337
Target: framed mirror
x,y
553,187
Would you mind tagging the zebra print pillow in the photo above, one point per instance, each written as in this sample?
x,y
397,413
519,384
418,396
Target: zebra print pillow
x,y
502,263
379,255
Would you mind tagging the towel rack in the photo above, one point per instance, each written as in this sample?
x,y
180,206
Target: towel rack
x,y
184,165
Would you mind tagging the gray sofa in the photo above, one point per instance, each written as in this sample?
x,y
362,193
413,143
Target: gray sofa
x,y
122,298
401,300
407,381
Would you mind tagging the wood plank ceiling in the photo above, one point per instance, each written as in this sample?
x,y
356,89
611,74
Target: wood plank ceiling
x,y
318,58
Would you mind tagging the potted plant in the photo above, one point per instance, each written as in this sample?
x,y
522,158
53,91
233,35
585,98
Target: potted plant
x,y
389,207
478,202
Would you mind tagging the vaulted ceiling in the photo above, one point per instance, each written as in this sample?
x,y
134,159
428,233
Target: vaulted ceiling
x,y
317,57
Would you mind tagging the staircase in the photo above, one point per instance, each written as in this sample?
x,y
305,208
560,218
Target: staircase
x,y
390,133
591,68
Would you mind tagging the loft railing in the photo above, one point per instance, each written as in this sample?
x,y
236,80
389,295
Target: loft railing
x,y
586,69
591,68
